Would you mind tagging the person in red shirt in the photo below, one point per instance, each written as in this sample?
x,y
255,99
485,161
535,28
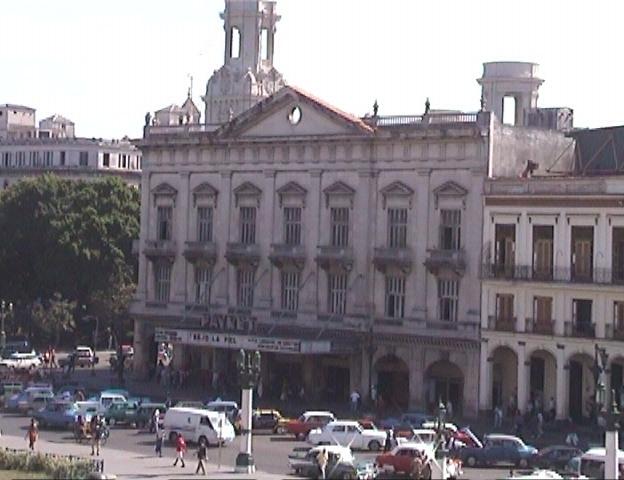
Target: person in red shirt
x,y
180,449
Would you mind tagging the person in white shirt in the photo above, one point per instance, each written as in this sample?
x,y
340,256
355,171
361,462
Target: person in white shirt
x,y
355,400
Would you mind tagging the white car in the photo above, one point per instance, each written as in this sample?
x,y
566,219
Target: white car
x,y
22,361
347,433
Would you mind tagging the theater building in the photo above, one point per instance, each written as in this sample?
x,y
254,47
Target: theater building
x,y
347,250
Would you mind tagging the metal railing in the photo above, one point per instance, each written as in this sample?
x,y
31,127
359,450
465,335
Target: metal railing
x,y
540,327
502,324
179,129
602,276
430,119
580,329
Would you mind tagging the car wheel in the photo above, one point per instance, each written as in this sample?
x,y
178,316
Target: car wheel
x,y
471,461
523,463
280,430
374,446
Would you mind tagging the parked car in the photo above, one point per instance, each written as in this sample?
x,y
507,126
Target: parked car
x,y
34,401
84,357
189,404
308,421
416,419
263,419
121,413
341,463
101,404
399,460
499,450
145,413
9,388
556,457
400,428
23,398
21,360
18,343
228,407
57,414
347,433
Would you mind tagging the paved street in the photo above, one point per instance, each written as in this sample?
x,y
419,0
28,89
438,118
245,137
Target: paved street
x,y
130,453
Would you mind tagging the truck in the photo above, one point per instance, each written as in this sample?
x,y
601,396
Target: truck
x,y
198,425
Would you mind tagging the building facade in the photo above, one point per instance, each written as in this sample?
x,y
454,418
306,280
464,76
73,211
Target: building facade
x,y
27,150
552,278
347,250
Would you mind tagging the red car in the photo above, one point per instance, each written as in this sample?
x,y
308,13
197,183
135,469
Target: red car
x,y
400,459
308,421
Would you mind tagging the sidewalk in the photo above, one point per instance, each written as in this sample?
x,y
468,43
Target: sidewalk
x,y
129,465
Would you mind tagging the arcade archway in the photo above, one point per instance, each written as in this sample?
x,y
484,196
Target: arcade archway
x,y
392,382
444,382
504,379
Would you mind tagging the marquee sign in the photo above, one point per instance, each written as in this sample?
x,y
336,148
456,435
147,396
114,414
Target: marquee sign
x,y
230,323
246,342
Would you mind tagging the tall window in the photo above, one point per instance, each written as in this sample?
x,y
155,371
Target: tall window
x,y
395,296
106,160
618,317
245,287
582,253
21,159
202,285
248,225
62,161
582,315
504,307
543,236
617,261
450,229
542,310
84,159
339,227
292,226
448,292
290,291
162,281
47,158
337,293
164,220
204,224
397,227
6,159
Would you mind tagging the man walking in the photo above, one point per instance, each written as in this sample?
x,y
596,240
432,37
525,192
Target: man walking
x,y
321,459
180,449
202,456
355,400
96,435
32,434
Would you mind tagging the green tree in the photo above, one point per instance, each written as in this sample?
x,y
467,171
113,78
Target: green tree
x,y
67,236
54,318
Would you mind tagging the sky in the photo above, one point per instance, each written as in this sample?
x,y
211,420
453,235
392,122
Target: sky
x,y
105,63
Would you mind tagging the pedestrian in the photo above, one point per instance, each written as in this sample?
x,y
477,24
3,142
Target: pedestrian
x,y
572,439
160,439
155,419
53,358
355,399
373,395
551,409
321,459
540,424
96,434
32,434
498,417
449,409
202,456
388,442
180,449
518,423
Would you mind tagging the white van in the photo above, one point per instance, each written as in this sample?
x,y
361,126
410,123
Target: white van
x,y
592,463
198,425
99,405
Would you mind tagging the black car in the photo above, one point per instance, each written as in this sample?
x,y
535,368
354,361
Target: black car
x,y
556,457
265,419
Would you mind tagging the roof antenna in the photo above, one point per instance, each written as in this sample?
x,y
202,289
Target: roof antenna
x,y
190,90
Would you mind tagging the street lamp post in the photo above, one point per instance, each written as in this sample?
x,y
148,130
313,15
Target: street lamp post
x,y
248,365
441,451
612,425
601,358
3,314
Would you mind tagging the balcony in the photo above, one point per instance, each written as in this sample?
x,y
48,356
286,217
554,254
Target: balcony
x,y
389,257
201,252
501,324
335,257
160,249
600,276
540,327
283,255
240,254
449,260
580,329
614,332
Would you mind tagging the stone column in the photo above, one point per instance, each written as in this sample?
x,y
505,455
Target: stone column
x,y
180,236
141,350
561,403
144,235
523,387
485,379
313,238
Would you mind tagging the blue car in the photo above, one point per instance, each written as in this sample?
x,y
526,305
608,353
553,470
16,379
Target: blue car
x,y
499,450
57,415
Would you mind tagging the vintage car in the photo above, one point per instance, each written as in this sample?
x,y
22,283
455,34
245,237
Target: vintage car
x,y
34,401
420,435
144,414
308,421
57,414
556,457
399,460
265,419
21,361
121,413
348,433
340,465
20,401
499,450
